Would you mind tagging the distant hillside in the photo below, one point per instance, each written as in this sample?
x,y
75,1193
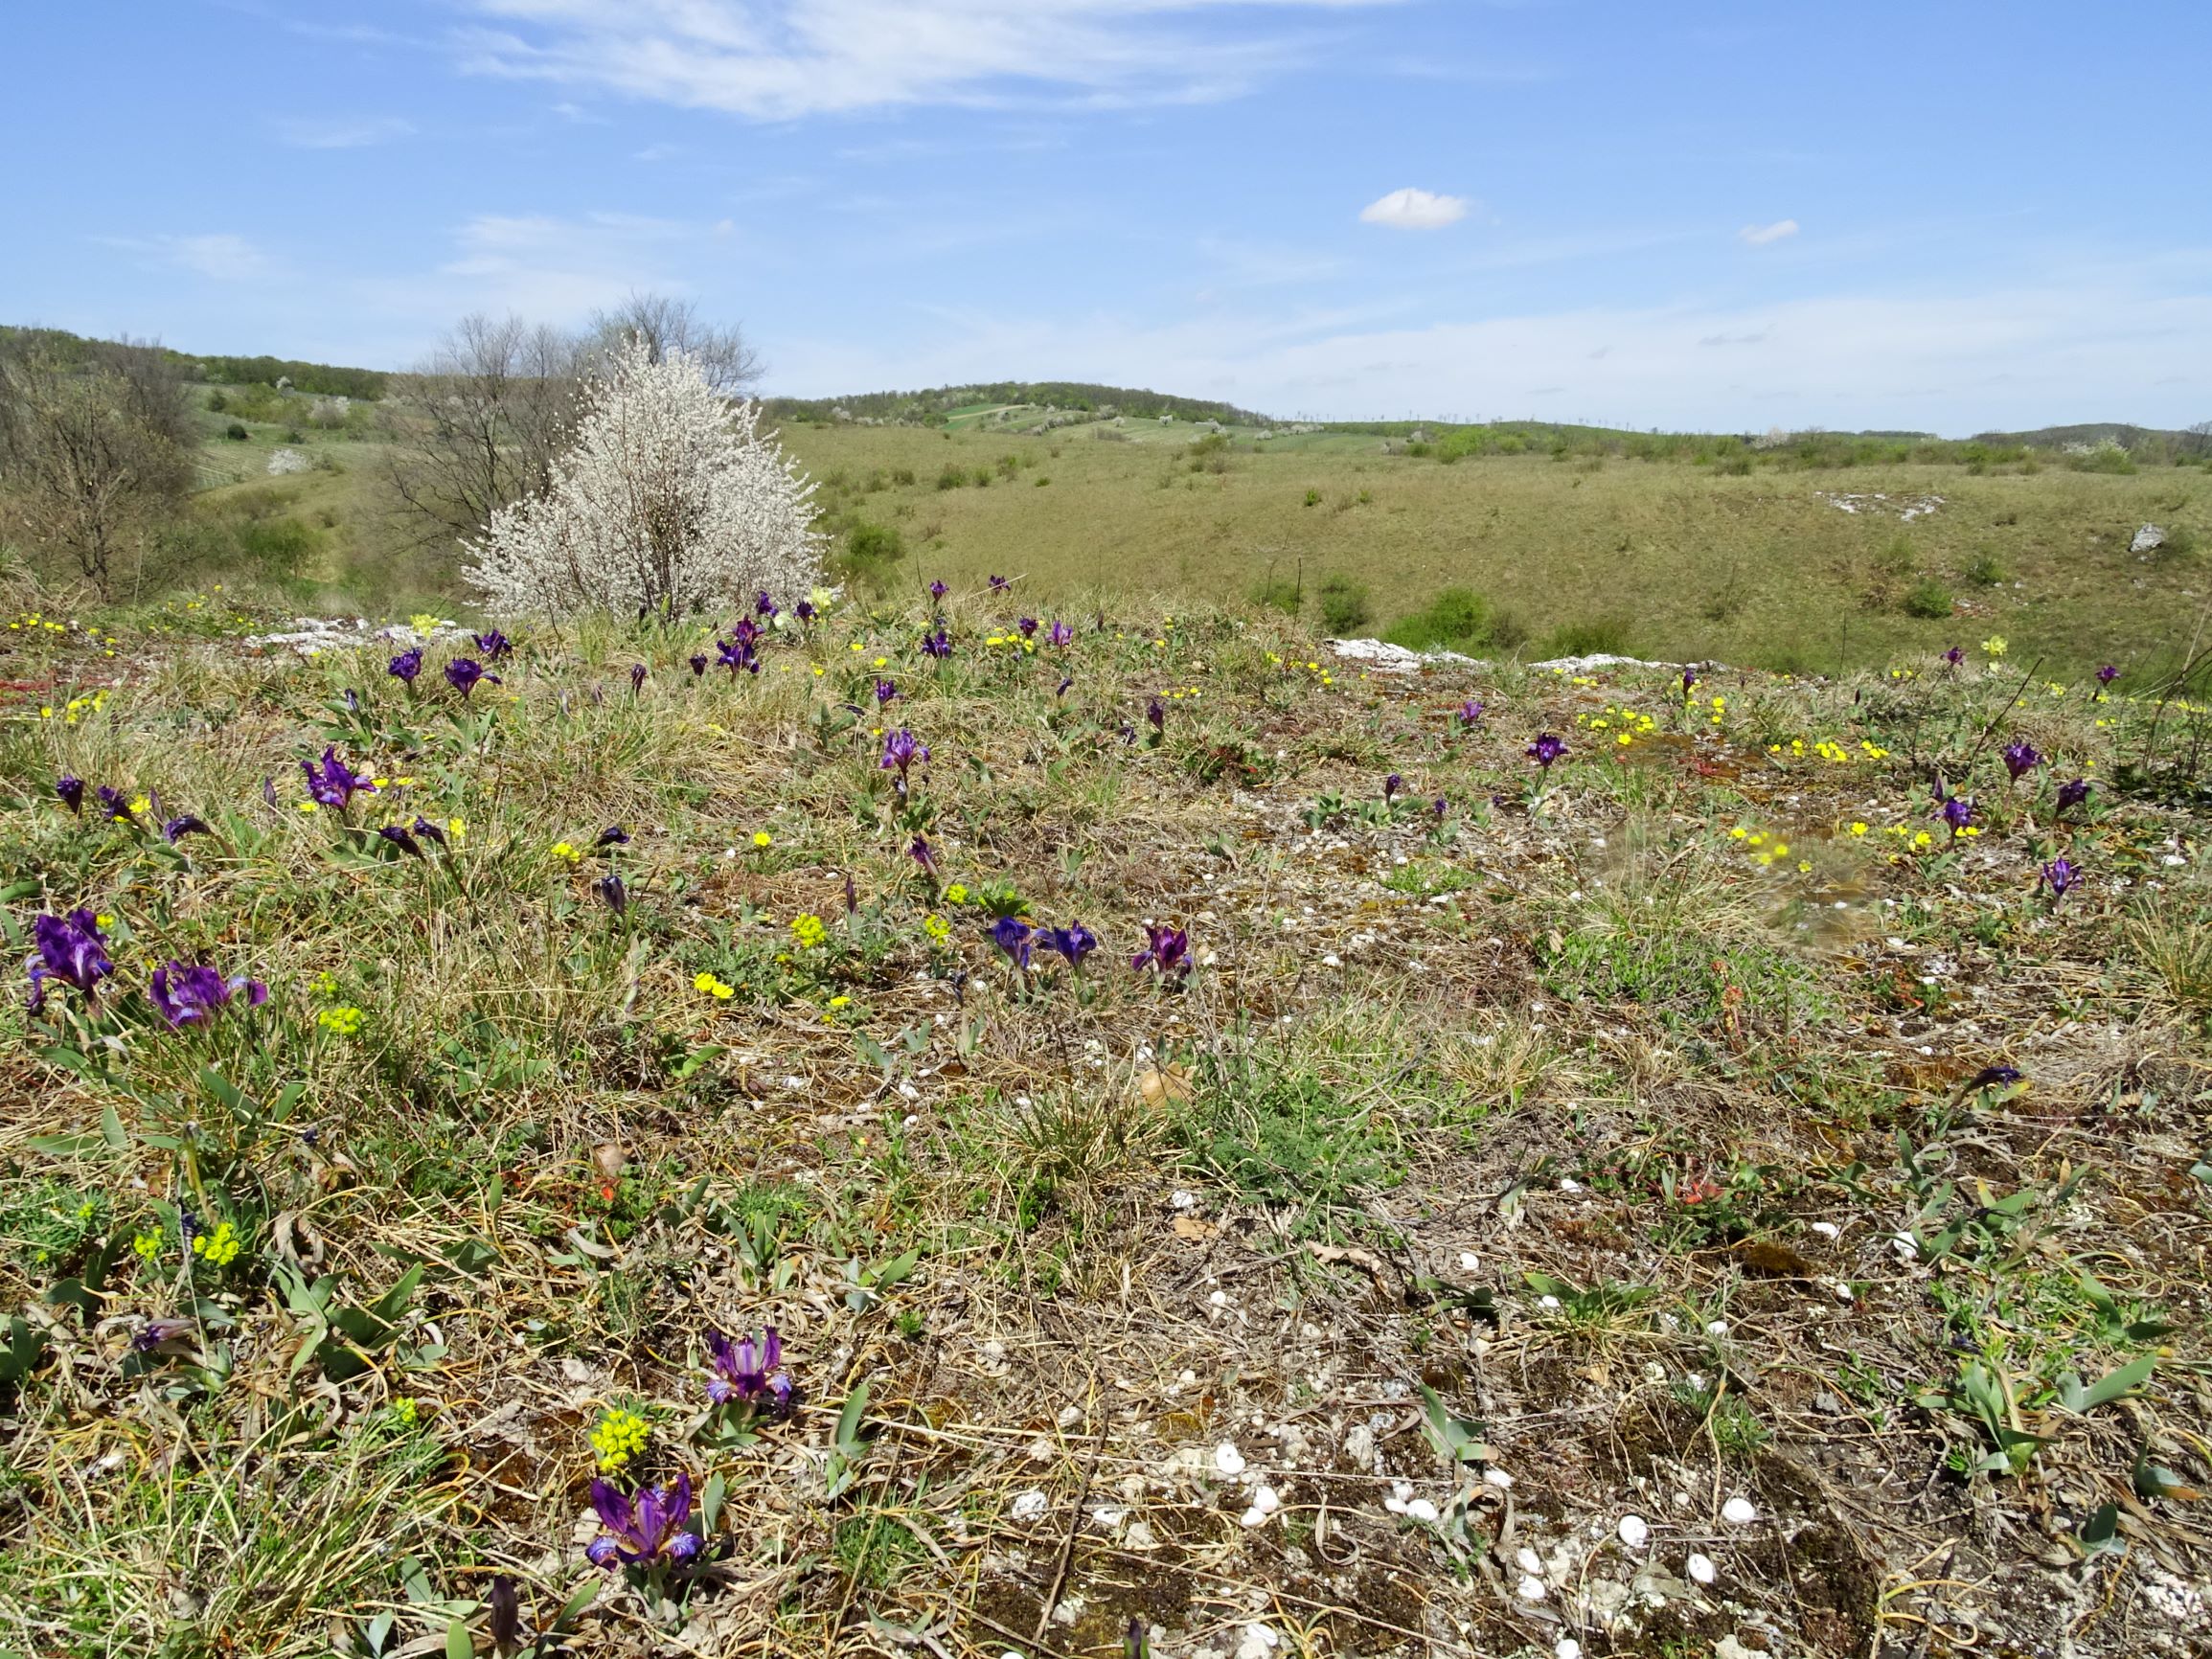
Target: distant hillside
x,y
2120,432
326,378
936,407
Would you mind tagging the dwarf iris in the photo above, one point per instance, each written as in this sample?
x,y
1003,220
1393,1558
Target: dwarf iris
x,y
72,793
192,994
1546,749
71,948
406,666
1166,949
646,1531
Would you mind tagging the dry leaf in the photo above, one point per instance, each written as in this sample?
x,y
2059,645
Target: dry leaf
x,y
1192,1228
1160,1087
1353,1253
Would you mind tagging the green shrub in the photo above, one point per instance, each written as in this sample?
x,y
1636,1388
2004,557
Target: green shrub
x,y
1277,593
1456,620
1312,499
1928,598
951,478
903,476
1985,571
1344,610
871,550
236,432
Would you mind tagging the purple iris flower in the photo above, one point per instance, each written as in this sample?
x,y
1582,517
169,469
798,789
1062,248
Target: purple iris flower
x,y
1546,749
2020,758
184,824
505,1614
804,612
763,604
114,805
1058,634
353,701
72,793
636,678
645,1531
157,1333
1166,949
1390,787
610,888
1440,806
2059,874
998,584
71,949
193,995
699,665
938,590
1958,813
921,855
401,838
406,666
494,645
1027,627
937,644
901,750
613,835
748,1371
1012,935
1954,657
1065,681
1075,942
737,652
335,783
1991,1078
2072,795
1688,681
2105,675
463,672
885,690
1157,712
1470,711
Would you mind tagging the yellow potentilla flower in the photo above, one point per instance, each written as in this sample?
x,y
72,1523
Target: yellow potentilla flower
x,y
762,838
714,986
1994,644
1858,828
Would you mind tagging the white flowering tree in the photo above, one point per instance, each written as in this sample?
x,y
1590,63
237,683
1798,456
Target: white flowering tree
x,y
671,500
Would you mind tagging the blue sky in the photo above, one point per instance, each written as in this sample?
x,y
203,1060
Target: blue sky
x,y
1942,216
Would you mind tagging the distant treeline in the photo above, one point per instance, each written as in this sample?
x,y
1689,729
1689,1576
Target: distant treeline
x,y
934,406
326,378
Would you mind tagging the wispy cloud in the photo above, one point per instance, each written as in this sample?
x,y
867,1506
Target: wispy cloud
x,y
551,269
225,258
1759,236
325,132
779,59
1415,210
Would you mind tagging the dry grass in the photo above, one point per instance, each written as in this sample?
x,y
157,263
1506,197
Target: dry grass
x,y
1595,1120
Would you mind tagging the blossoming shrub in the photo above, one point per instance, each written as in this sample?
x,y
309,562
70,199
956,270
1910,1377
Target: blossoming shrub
x,y
672,501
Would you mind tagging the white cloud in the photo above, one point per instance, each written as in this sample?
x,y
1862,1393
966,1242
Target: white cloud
x,y
1415,210
778,59
1966,361
227,258
545,268
339,133
1759,236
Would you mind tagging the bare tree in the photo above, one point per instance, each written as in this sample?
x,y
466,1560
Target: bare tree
x,y
93,453
731,366
2196,441
477,427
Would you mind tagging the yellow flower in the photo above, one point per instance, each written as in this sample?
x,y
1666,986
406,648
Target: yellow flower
x,y
1856,828
221,1247
342,1021
562,850
936,927
956,894
406,1411
1994,644
808,931
714,986
147,1245
762,838
619,1437
308,806
840,1002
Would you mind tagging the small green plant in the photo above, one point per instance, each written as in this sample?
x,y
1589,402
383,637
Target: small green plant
x,y
1928,599
1344,610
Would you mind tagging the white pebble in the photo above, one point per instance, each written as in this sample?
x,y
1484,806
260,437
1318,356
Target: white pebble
x,y
1718,1327
1567,1647
1531,1588
1030,1505
1468,1261
1530,1561
1229,1459
1738,1511
1702,1570
1827,1229
1498,1478
1634,1531
1421,1510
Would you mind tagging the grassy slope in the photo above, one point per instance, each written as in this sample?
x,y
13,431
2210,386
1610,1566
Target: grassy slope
x,y
1587,1111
